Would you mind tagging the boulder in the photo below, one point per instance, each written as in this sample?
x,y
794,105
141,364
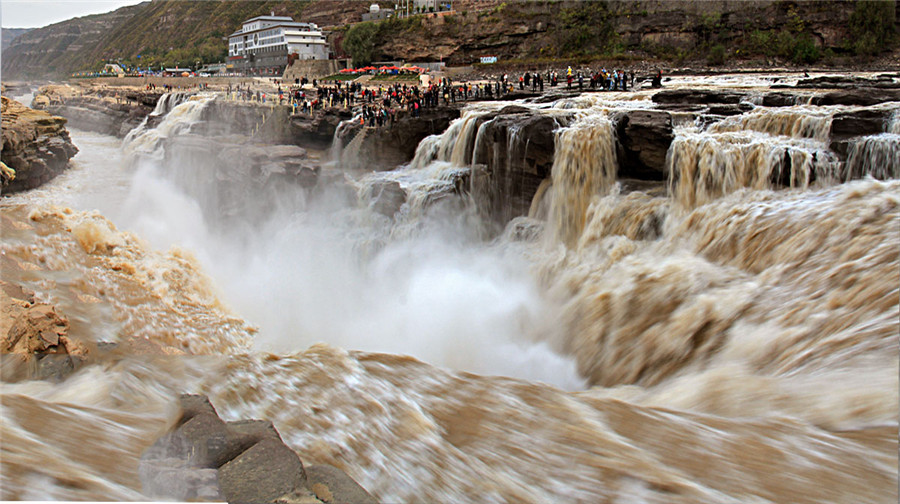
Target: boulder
x,y
644,137
36,146
387,198
208,437
193,405
330,484
34,338
266,472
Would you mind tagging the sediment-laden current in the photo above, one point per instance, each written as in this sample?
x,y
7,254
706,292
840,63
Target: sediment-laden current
x,y
730,334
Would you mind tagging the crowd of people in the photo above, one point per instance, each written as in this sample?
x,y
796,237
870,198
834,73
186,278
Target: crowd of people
x,y
381,105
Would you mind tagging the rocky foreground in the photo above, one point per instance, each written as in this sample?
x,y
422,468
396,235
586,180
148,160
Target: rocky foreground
x,y
206,458
36,146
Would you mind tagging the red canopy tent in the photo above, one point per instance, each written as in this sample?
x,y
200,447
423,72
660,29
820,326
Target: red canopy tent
x,y
347,70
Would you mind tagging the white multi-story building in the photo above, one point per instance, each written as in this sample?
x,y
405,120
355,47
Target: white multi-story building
x,y
262,45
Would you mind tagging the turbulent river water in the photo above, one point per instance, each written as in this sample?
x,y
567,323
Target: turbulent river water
x,y
710,340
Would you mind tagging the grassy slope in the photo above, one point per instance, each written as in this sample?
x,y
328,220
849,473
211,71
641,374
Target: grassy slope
x,y
160,36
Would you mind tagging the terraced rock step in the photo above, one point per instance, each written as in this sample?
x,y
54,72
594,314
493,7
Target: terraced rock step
x,y
36,146
207,459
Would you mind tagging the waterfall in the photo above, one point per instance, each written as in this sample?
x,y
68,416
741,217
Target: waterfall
x,y
793,122
704,166
894,125
702,331
584,166
169,101
455,145
875,155
144,141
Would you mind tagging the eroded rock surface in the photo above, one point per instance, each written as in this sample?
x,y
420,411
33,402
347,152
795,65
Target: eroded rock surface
x,y
112,111
36,146
34,339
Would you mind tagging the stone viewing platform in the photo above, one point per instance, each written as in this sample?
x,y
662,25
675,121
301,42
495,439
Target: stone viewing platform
x,y
36,146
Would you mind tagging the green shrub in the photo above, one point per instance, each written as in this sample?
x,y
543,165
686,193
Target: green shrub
x,y
716,55
359,43
586,30
805,50
872,26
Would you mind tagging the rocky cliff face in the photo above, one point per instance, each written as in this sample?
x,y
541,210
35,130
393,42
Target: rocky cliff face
x,y
36,146
111,111
647,29
7,35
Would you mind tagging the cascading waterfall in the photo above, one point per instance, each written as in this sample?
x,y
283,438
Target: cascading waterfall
x,y
454,146
144,141
718,326
703,166
584,166
169,101
337,144
794,122
875,155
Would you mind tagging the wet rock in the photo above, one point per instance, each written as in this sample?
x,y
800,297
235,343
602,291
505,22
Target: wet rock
x,y
193,405
32,329
388,146
214,442
34,338
208,437
516,150
846,82
697,97
316,129
857,96
330,484
387,198
36,146
779,99
644,137
7,175
846,126
263,473
858,123
730,109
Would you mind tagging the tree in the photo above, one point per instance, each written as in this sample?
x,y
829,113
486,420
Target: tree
x,y
872,26
359,43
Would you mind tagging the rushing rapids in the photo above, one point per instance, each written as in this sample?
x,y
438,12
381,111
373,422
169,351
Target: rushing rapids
x,y
726,332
